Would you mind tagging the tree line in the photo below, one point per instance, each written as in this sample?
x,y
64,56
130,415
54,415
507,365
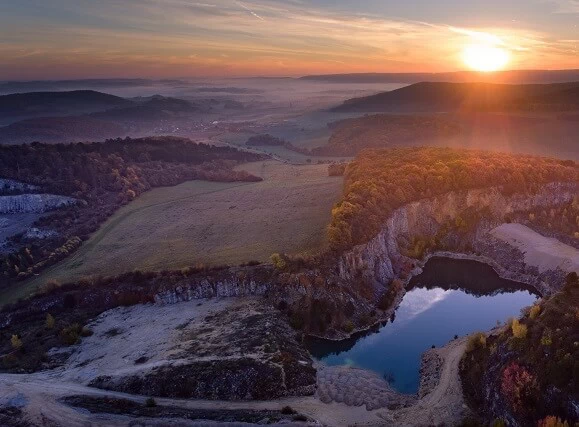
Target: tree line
x,y
103,176
379,181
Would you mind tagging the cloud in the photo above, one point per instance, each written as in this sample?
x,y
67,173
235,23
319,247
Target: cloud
x,y
249,10
565,6
250,37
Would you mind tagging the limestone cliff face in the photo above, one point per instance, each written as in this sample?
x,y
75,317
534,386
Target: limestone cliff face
x,y
33,203
193,290
380,260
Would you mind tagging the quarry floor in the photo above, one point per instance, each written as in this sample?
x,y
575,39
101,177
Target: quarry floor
x,y
543,252
344,396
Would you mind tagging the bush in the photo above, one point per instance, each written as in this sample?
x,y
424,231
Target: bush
x,y
348,326
287,410
476,341
71,334
150,403
535,311
16,342
388,297
519,387
552,421
49,321
519,330
279,261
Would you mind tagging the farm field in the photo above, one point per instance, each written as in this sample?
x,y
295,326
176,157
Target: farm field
x,y
202,222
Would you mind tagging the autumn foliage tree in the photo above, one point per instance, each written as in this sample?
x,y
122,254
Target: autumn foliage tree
x,y
379,181
518,386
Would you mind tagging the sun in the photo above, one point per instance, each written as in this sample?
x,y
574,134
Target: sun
x,y
485,58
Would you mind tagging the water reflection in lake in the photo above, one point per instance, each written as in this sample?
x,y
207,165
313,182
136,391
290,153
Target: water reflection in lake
x,y
451,297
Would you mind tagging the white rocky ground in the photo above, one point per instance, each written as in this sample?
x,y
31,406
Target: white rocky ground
x,y
545,253
37,203
345,396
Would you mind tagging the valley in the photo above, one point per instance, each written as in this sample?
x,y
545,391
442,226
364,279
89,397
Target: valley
x,y
210,223
303,267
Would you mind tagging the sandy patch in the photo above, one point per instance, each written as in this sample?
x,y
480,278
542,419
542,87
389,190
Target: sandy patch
x,y
130,339
545,253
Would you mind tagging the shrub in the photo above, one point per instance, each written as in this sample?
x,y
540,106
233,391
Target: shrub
x,y
518,386
348,326
519,330
387,298
49,321
475,341
16,342
279,261
535,311
71,334
86,332
546,338
150,403
287,410
552,421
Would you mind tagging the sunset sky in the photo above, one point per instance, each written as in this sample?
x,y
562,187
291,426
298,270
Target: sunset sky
x,y
50,39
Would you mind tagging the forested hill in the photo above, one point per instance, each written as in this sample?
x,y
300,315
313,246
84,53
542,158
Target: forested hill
x,y
379,181
58,103
444,97
103,176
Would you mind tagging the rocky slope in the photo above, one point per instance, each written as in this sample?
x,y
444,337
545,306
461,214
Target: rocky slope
x,y
381,259
528,370
33,203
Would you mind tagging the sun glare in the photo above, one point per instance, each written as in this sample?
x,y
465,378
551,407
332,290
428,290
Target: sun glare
x,y
485,58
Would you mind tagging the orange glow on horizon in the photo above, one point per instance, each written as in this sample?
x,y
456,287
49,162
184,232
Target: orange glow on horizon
x,y
485,58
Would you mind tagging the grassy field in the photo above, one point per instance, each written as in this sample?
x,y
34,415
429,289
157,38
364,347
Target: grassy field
x,y
208,222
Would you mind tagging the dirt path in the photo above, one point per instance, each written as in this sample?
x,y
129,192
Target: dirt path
x,y
38,395
445,404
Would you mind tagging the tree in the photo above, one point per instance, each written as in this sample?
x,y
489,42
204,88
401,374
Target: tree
x,y
552,421
518,386
16,342
49,321
519,330
279,261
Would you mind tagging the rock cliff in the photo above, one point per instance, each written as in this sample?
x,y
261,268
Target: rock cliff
x,y
380,260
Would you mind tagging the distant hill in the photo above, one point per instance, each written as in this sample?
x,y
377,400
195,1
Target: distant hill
x,y
512,76
82,84
350,136
154,108
60,129
38,104
99,125
443,96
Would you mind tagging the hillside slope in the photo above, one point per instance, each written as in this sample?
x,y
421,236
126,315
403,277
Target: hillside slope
x,y
529,370
38,104
441,96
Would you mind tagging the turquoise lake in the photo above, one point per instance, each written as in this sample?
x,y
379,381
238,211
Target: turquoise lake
x,y
450,297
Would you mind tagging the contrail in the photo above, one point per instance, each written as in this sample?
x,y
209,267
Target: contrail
x,y
249,10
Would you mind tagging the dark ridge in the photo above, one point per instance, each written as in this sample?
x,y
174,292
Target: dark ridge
x,y
58,103
444,96
512,76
